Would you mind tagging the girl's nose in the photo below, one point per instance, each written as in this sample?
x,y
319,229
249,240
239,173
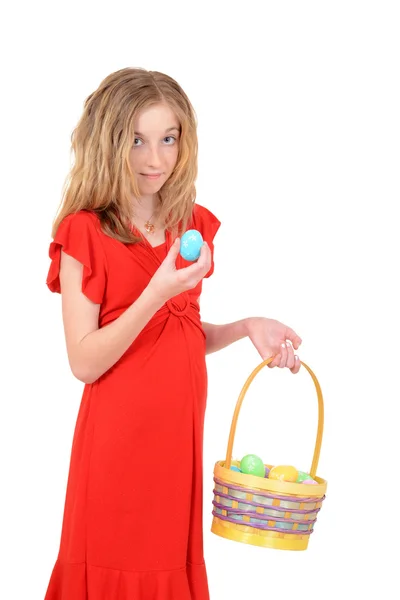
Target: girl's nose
x,y
153,157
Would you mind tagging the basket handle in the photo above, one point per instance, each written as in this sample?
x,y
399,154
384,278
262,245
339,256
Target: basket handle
x,y
320,428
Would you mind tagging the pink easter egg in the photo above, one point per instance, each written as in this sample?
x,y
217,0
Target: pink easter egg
x,y
309,482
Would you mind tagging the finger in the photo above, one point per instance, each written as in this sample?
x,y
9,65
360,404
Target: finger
x,y
294,338
275,362
203,263
173,252
205,257
284,354
290,356
297,365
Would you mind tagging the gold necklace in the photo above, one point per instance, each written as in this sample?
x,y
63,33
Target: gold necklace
x,y
149,227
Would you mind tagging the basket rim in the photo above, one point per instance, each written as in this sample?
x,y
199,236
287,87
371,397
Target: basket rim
x,y
286,542
271,485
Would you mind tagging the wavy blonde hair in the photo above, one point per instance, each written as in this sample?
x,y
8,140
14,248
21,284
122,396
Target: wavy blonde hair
x,y
101,179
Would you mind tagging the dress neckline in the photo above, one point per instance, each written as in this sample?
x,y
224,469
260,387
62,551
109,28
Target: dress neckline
x,y
146,241
158,245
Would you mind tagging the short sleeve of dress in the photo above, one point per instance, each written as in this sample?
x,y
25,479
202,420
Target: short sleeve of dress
x,y
78,236
208,224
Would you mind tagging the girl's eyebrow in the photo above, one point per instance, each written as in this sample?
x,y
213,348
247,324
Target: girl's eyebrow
x,y
166,131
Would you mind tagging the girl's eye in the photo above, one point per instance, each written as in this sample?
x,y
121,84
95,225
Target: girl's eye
x,y
169,137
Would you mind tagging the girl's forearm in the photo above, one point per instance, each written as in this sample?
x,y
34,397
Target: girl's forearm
x,y
101,349
221,336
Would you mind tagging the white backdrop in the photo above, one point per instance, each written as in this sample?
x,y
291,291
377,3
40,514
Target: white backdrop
x,y
298,109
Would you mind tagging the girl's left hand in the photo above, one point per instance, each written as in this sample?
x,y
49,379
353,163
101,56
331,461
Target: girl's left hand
x,y
271,338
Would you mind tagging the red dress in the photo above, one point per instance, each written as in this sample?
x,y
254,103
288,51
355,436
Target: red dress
x,y
132,525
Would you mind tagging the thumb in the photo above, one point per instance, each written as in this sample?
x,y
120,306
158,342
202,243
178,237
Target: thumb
x,y
294,338
173,252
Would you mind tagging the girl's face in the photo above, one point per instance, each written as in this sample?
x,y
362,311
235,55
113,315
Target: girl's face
x,y
155,147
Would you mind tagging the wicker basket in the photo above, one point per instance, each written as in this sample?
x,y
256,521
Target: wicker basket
x,y
261,511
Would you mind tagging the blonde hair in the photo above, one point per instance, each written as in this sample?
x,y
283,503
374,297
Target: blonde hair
x,y
101,179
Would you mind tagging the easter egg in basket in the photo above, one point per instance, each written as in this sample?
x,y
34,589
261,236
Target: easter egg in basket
x,y
191,243
301,478
236,469
283,473
251,464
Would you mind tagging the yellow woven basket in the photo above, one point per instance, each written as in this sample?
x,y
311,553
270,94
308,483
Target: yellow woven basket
x,y
262,511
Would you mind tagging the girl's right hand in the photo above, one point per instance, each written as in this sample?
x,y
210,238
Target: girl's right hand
x,y
168,281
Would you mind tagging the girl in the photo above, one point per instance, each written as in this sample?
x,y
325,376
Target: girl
x,y
132,526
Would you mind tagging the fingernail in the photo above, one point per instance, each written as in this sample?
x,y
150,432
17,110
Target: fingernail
x,y
296,357
283,345
288,344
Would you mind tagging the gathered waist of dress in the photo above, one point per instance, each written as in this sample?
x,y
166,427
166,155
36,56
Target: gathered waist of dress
x,y
182,306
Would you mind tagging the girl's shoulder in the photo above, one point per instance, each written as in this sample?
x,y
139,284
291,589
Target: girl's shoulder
x,y
77,236
83,223
201,211
81,216
205,221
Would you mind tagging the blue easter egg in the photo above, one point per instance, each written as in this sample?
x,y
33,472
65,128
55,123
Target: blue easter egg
x,y
233,468
191,243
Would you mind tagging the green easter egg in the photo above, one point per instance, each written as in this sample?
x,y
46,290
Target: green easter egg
x,y
302,477
251,464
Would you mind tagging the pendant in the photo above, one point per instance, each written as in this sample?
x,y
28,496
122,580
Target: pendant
x,y
149,227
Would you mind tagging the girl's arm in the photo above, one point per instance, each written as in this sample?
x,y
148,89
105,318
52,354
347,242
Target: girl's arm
x,y
269,337
220,336
92,351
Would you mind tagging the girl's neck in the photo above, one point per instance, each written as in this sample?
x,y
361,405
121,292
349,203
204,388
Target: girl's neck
x,y
145,205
